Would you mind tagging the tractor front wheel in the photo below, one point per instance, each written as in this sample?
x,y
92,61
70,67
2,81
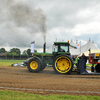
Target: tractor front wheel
x,y
63,64
34,65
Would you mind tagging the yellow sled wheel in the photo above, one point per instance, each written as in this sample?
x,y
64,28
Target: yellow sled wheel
x,y
63,64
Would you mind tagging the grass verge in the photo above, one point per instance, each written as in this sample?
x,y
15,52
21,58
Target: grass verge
x,y
12,95
9,62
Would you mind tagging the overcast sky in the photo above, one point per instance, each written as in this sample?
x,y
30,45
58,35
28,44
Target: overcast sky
x,y
24,21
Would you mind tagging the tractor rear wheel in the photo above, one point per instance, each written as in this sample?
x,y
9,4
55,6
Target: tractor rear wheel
x,y
34,65
63,64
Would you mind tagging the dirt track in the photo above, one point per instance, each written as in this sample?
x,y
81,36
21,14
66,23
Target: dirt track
x,y
48,82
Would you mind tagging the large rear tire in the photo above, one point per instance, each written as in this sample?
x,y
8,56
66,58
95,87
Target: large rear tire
x,y
63,64
34,65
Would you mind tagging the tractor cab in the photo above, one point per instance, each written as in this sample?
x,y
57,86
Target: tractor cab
x,y
61,48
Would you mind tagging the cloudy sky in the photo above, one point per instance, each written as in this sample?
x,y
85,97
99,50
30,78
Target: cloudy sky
x,y
24,21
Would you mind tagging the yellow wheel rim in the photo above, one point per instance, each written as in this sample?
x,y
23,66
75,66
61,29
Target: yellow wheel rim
x,y
63,64
34,65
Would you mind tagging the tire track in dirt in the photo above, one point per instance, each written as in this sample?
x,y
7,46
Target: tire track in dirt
x,y
44,90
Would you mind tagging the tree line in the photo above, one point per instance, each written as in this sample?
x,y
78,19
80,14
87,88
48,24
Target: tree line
x,y
16,52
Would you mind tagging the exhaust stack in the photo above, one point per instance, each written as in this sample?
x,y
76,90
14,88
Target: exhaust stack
x,y
44,47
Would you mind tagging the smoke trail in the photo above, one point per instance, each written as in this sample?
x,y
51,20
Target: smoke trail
x,y
23,15
19,15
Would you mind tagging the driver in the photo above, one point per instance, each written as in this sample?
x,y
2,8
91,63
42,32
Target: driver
x,y
62,50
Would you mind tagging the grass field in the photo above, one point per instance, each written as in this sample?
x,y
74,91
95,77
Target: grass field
x,y
9,62
11,95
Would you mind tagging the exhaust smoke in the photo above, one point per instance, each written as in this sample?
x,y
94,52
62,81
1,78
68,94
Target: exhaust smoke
x,y
22,22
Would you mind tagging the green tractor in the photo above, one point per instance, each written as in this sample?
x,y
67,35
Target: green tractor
x,y
60,59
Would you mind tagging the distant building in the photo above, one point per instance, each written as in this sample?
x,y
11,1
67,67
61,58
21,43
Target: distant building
x,y
3,54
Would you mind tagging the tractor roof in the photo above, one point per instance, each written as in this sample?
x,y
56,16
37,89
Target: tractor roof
x,y
61,42
57,43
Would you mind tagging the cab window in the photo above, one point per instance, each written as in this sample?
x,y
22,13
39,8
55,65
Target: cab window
x,y
55,48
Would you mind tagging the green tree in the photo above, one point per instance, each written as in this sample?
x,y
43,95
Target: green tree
x,y
18,51
11,54
2,50
15,50
25,53
8,54
35,51
14,53
29,52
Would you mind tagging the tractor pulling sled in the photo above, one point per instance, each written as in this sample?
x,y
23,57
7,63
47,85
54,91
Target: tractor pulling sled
x,y
60,59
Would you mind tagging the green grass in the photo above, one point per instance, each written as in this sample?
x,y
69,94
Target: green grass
x,y
9,62
11,95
